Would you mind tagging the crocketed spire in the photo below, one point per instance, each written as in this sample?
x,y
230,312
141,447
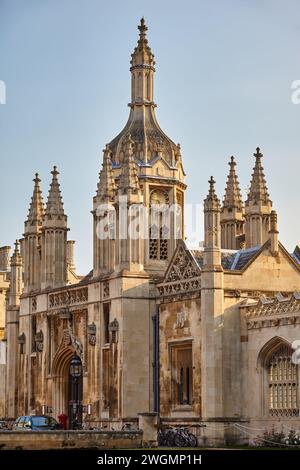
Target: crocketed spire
x,y
258,187
16,258
36,209
106,186
55,207
232,198
129,182
211,202
142,54
149,141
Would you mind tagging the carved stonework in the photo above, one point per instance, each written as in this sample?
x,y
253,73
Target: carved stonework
x,y
159,196
91,331
65,314
68,297
180,319
70,340
22,342
182,267
113,331
57,321
106,292
39,341
33,304
182,278
67,338
277,311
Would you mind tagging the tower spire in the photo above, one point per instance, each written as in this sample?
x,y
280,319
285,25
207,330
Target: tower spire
x,y
232,198
32,239
142,69
232,213
258,206
36,209
54,238
149,139
142,54
258,186
106,186
55,205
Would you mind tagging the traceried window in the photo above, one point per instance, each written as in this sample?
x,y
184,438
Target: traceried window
x,y
283,383
159,221
182,380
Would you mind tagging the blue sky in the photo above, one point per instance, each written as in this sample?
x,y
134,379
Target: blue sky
x,y
223,87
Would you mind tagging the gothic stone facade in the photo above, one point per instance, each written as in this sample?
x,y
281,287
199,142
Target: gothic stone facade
x,y
200,336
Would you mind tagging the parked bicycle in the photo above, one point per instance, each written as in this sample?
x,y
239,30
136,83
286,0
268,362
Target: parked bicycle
x,y
178,437
165,438
185,438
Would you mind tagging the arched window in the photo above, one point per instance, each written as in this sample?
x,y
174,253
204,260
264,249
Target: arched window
x,y
283,382
159,225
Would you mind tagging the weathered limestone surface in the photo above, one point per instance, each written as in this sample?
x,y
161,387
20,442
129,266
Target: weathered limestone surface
x,y
38,440
195,335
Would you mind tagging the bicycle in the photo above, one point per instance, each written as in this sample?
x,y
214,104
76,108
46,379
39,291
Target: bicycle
x,y
185,438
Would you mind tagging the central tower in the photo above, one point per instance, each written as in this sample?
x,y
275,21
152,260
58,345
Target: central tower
x,y
151,164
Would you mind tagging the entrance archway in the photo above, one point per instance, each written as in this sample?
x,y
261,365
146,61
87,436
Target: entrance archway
x,y
65,393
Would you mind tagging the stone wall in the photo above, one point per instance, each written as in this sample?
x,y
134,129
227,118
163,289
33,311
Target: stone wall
x,y
213,433
41,440
2,385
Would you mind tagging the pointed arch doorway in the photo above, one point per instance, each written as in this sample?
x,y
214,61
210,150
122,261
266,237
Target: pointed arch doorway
x,y
68,386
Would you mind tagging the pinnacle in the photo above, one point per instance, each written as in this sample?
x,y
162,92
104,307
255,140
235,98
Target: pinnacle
x,y
106,186
16,256
258,186
211,201
232,196
212,183
129,179
142,53
17,246
142,27
36,208
54,203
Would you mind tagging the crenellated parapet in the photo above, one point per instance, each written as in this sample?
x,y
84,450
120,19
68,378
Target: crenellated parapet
x,y
276,311
67,298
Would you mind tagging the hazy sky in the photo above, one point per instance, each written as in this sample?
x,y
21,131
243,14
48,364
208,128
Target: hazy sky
x,y
223,87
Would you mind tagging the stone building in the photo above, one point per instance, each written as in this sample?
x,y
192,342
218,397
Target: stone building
x,y
202,336
4,286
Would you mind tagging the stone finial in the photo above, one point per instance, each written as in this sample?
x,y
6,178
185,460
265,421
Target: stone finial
x,y
129,182
142,28
106,186
258,188
142,53
274,233
55,207
232,198
36,209
211,201
273,222
16,259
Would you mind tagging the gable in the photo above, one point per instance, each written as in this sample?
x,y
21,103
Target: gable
x,y
161,162
182,265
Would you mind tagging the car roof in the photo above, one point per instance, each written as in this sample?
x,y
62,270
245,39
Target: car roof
x,y
40,416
